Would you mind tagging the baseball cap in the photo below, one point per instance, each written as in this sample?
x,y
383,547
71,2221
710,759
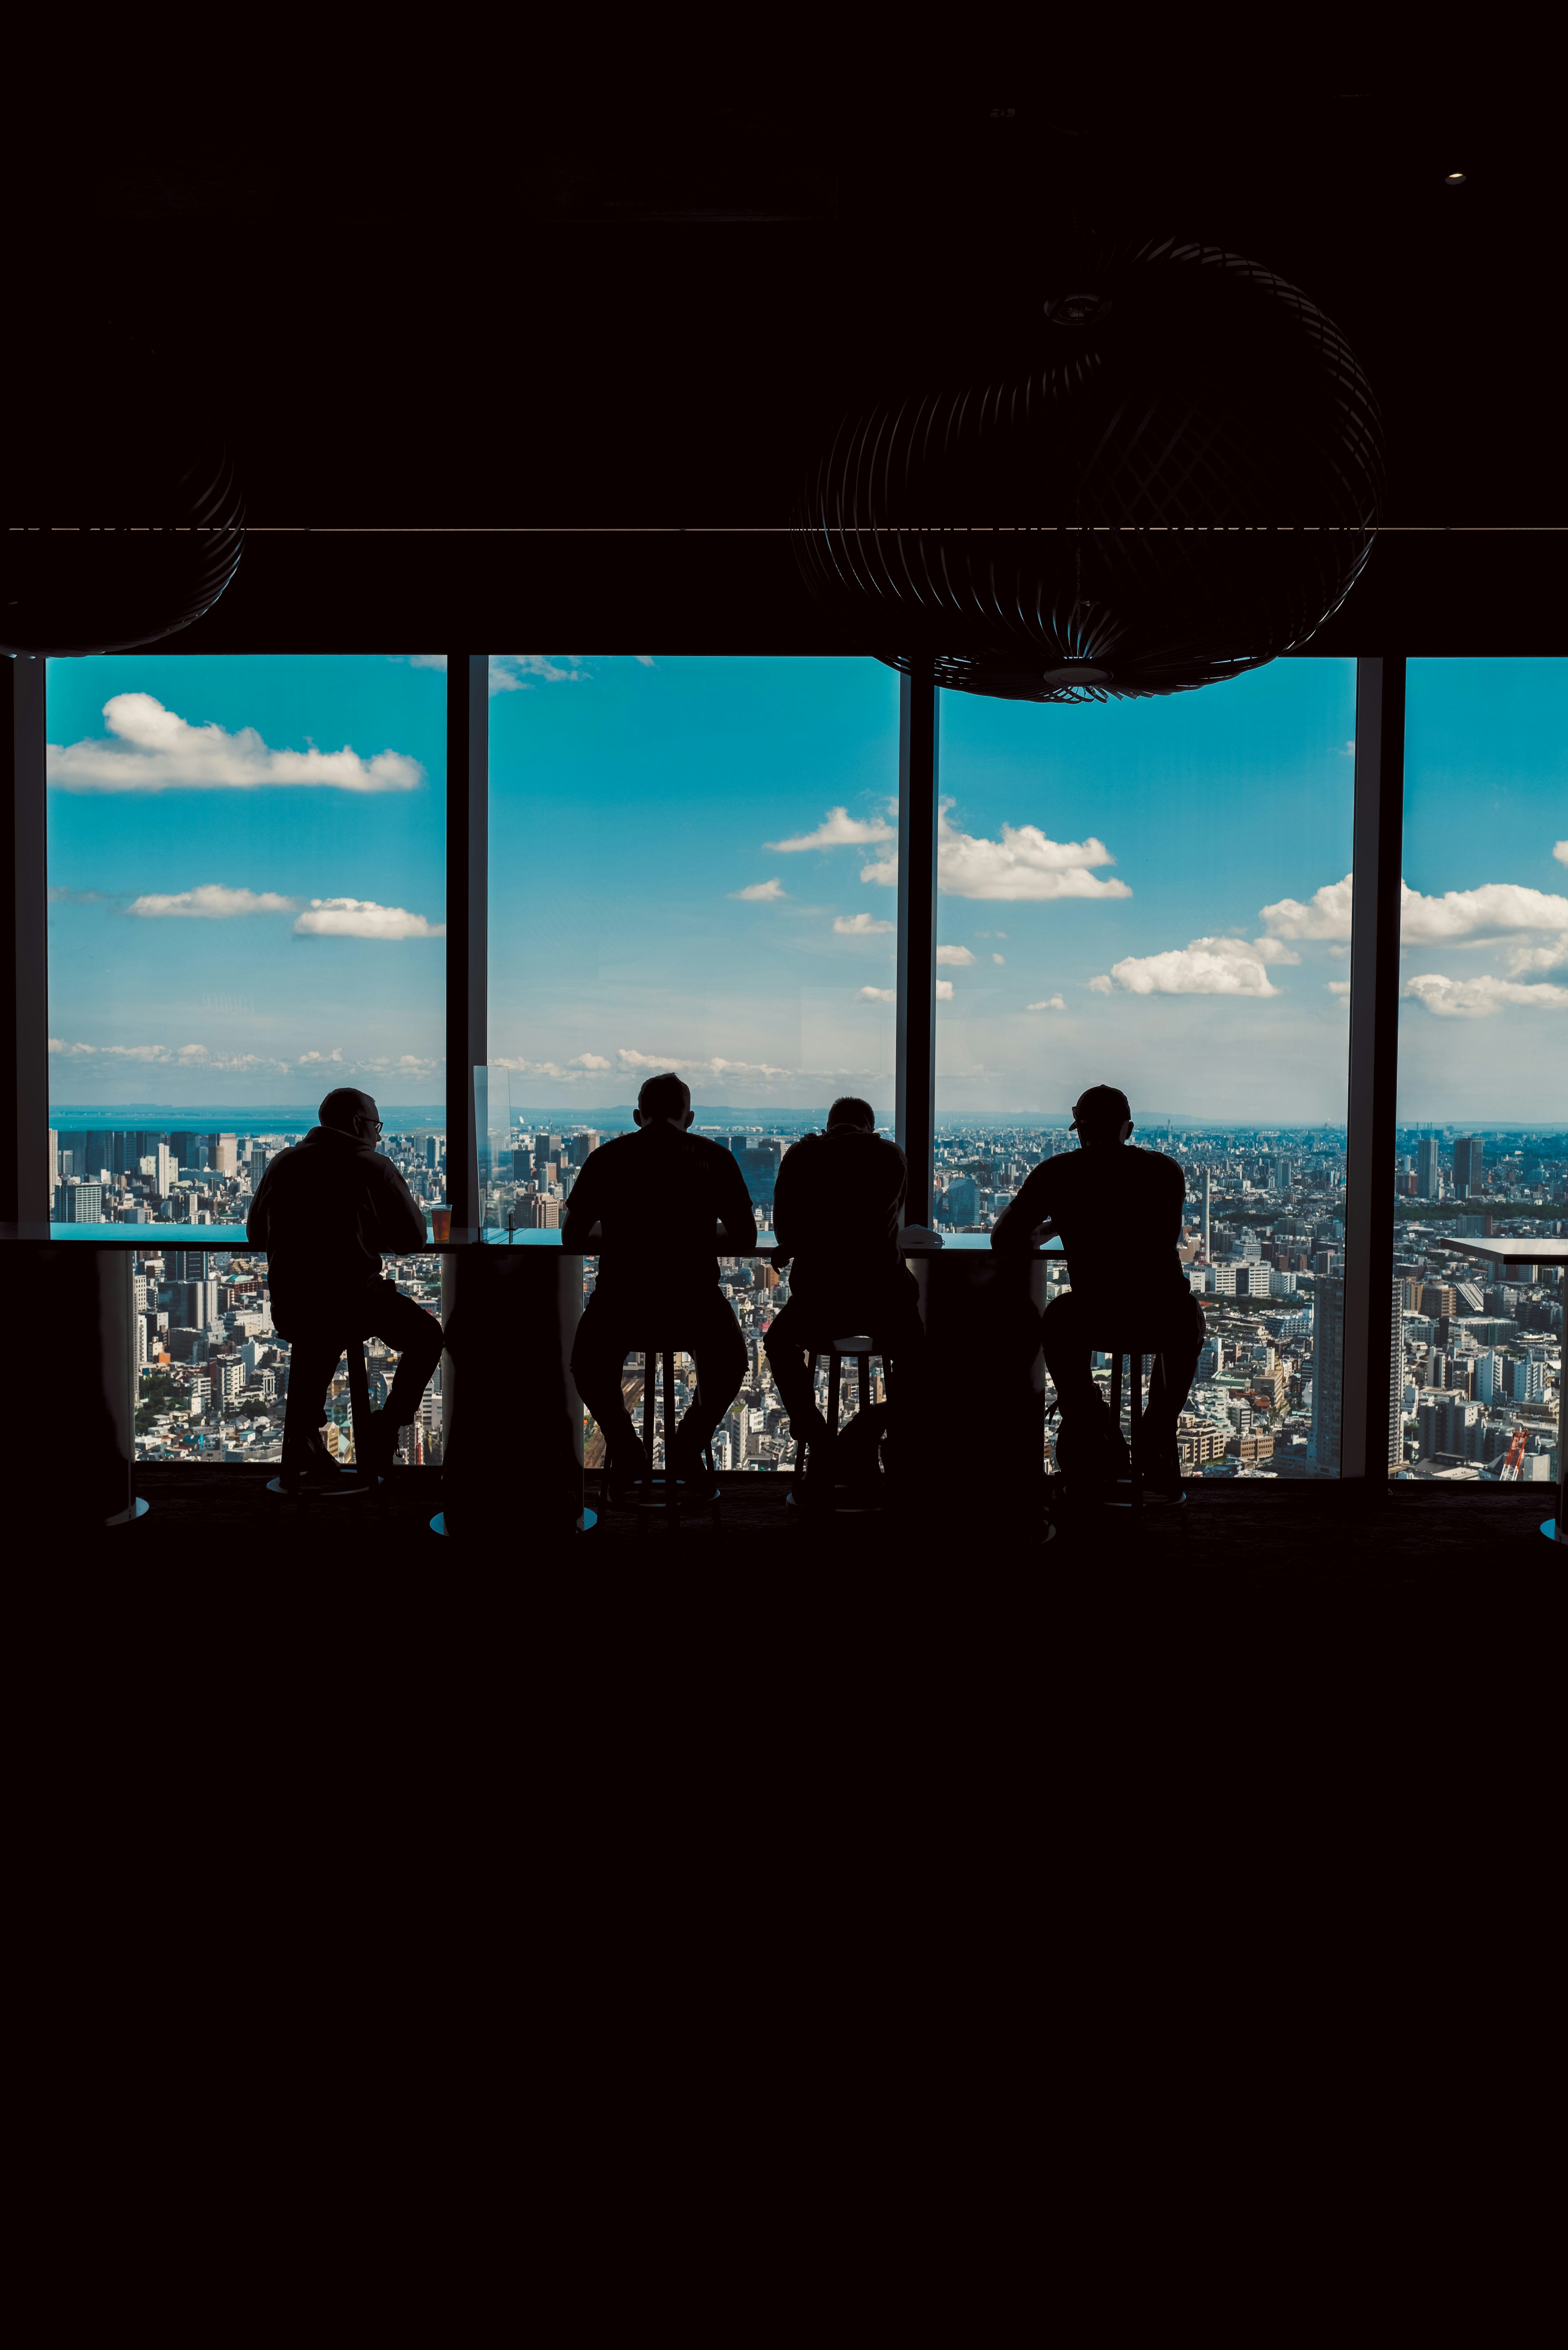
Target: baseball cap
x,y
1101,1106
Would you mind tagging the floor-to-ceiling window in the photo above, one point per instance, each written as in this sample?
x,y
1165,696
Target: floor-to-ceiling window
x,y
1155,894
1482,1109
245,873
693,866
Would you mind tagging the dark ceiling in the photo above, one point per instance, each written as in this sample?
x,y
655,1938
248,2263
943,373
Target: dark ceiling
x,y
553,372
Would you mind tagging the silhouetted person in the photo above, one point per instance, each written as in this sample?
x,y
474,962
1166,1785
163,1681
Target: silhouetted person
x,y
835,1215
1118,1212
323,1212
658,1197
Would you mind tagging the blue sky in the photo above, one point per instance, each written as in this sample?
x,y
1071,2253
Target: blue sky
x,y
692,862
246,873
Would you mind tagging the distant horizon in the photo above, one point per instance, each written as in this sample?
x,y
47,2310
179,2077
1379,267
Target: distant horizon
x,y
739,1115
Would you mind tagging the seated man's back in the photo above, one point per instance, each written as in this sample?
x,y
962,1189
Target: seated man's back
x,y
656,1195
836,1214
323,1212
1118,1213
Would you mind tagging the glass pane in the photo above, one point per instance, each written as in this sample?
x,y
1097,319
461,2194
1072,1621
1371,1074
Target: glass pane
x,y
246,868
1482,1141
693,866
1155,896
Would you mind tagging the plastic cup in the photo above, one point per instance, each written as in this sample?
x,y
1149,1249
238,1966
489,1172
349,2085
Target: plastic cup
x,y
441,1223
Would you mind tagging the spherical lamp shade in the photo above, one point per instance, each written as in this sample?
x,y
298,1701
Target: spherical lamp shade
x,y
122,527
1181,480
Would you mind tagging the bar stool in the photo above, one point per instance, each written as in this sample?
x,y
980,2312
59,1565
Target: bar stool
x,y
355,1481
657,1492
858,1349
1134,1355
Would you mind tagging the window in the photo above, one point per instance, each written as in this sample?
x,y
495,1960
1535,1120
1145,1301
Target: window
x,y
1155,895
693,866
245,863
1482,1142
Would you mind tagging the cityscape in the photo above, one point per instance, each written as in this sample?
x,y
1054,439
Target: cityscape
x,y
1475,1361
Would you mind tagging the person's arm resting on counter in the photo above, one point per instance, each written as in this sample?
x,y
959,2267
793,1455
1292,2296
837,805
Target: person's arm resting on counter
x,y
1026,1218
397,1219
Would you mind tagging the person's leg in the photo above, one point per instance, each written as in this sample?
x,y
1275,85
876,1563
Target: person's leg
x,y
313,1357
719,1352
599,1351
417,1336
1065,1338
1181,1344
791,1364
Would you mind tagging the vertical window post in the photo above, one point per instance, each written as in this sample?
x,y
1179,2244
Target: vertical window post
x,y
1370,1416
24,1044
467,917
916,1087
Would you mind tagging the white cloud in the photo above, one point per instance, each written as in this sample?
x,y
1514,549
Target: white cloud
x,y
1519,958
1325,915
155,750
878,996
212,902
863,926
329,1060
1477,999
1561,852
761,893
991,935
634,1064
1456,915
1000,959
960,956
361,917
424,660
838,829
519,672
183,1057
60,895
1338,986
1206,967
944,990
1024,864
883,870
1050,1003
590,1061
645,661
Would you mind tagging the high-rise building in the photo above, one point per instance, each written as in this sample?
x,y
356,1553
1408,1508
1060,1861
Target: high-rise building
x,y
1206,1194
1426,1166
1470,1164
1327,1375
1395,1375
189,1264
225,1158
78,1203
433,1150
165,1170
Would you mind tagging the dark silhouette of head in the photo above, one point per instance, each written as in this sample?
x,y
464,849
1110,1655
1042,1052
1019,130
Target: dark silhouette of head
x,y
850,1110
1101,1116
659,1099
347,1111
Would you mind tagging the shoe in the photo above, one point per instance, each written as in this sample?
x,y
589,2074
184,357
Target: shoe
x,y
626,1464
1162,1465
1084,1454
314,1470
683,1461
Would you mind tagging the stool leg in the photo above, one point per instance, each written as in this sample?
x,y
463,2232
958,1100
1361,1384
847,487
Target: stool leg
x,y
671,1508
359,1398
649,1400
1135,1402
1115,1395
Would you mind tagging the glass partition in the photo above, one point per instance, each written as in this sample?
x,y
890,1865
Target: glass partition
x,y
693,866
246,881
1481,1148
1155,894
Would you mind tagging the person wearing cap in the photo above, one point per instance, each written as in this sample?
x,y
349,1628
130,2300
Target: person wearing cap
x,y
323,1212
1117,1210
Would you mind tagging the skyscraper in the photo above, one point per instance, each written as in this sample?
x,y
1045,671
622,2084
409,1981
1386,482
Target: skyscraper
x,y
1327,1375
1206,1192
1470,1164
1426,1166
1396,1375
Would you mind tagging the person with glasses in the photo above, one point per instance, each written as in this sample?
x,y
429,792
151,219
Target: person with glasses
x,y
325,1212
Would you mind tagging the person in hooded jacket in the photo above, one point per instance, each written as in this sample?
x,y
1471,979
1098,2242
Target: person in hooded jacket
x,y
325,1212
836,1206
